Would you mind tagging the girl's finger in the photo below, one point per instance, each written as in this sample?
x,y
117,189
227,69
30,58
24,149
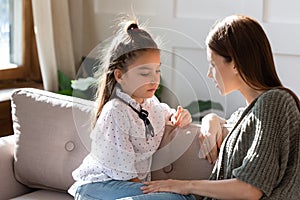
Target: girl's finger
x,y
185,118
178,112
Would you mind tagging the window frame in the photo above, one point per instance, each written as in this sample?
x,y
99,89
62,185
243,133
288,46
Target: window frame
x,y
29,70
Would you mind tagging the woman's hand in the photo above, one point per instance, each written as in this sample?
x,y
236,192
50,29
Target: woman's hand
x,y
137,180
211,136
181,118
216,189
175,186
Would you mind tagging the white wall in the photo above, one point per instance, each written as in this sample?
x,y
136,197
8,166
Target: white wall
x,y
183,25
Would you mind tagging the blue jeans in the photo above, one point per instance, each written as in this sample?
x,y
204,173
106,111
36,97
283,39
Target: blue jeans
x,y
125,190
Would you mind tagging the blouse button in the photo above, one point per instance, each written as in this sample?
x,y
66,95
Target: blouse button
x,y
69,146
168,168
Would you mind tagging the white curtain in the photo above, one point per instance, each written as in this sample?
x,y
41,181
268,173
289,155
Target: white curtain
x,y
54,40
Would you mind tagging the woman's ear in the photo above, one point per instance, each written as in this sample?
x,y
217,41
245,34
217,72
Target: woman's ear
x,y
118,75
235,69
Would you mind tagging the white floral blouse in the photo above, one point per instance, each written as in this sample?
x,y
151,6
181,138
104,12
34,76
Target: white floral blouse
x,y
120,149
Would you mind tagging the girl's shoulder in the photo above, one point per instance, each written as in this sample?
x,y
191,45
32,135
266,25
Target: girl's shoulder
x,y
114,105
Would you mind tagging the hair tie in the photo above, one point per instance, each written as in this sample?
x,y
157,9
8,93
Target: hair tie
x,y
132,27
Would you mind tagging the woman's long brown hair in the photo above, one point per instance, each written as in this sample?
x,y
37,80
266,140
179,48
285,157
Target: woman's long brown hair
x,y
242,39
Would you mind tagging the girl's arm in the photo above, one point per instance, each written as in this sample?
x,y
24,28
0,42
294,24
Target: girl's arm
x,y
221,189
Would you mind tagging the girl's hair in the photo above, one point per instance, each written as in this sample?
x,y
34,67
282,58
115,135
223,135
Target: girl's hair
x,y
242,40
128,42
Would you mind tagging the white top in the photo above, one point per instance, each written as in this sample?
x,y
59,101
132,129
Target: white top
x,y
120,149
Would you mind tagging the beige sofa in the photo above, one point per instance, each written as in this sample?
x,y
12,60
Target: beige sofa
x,y
51,137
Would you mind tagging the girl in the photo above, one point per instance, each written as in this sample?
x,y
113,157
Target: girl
x,y
130,120
260,157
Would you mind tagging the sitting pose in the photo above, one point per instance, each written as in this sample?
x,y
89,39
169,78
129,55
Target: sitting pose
x,y
130,121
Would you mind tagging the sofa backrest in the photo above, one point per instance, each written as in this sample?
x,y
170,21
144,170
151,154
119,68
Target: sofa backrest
x,y
52,137
52,133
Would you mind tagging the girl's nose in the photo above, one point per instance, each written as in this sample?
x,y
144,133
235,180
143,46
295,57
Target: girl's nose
x,y
155,79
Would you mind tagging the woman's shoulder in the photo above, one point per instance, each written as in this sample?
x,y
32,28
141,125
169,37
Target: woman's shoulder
x,y
276,91
277,99
277,95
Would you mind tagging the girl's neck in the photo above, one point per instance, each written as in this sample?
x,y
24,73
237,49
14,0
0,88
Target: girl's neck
x,y
139,100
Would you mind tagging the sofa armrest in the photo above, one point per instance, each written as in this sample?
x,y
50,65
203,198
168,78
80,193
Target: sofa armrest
x,y
10,187
178,155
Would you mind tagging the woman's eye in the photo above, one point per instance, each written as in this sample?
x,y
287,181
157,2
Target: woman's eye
x,y
158,71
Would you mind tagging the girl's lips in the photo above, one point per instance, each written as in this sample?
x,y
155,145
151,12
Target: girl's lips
x,y
152,90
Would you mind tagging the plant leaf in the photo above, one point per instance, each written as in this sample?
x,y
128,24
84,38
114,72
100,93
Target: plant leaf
x,y
200,106
83,83
64,82
65,92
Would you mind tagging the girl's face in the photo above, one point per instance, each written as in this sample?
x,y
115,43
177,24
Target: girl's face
x,y
223,73
142,77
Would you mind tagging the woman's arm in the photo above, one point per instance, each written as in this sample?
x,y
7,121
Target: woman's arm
x,y
136,180
220,189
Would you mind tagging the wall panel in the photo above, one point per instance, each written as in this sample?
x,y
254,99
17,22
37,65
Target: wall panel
x,y
182,26
286,11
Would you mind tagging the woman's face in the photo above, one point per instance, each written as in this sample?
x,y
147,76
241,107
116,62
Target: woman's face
x,y
223,73
142,77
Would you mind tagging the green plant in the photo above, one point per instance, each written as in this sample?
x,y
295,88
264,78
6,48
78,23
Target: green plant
x,y
196,108
64,84
200,106
78,88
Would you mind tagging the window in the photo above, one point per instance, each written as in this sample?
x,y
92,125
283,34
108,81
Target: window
x,y
11,33
18,54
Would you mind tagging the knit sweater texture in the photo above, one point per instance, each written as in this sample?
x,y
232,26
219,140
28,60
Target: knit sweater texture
x,y
264,149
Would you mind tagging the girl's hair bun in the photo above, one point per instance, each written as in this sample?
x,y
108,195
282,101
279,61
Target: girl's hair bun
x,y
132,26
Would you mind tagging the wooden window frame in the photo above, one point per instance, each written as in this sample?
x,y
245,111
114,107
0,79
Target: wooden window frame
x,y
29,71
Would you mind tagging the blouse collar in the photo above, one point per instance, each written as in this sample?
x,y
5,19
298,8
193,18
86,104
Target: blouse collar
x,y
127,98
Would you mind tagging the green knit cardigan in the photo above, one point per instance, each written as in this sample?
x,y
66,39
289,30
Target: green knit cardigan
x,y
264,148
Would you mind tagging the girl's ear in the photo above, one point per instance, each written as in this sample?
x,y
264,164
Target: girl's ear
x,y
118,75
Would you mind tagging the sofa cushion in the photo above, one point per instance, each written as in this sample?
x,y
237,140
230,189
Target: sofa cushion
x,y
52,137
11,187
45,195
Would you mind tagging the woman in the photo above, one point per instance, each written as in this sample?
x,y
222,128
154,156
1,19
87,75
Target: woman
x,y
260,157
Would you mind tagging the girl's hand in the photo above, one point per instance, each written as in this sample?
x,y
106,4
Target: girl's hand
x,y
176,186
211,136
181,118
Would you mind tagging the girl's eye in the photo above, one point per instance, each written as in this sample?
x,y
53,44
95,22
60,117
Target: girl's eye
x,y
145,74
158,71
